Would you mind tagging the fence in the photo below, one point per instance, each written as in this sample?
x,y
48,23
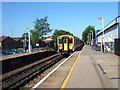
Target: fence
x,y
117,46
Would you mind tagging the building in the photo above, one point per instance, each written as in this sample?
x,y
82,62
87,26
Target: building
x,y
109,34
7,43
19,42
48,40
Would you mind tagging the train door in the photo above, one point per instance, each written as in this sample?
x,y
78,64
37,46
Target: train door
x,y
65,43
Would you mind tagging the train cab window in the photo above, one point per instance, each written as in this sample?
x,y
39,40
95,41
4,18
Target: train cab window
x,y
70,40
65,41
60,40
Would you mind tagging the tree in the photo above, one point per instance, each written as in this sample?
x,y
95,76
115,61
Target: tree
x,y
58,33
42,27
25,34
87,31
98,31
34,36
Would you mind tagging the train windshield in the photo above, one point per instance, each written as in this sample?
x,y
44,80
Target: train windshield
x,y
70,40
60,40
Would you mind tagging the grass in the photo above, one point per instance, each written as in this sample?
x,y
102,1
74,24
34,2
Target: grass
x,y
47,48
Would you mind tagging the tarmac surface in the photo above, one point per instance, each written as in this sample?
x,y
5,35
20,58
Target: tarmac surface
x,y
56,79
86,73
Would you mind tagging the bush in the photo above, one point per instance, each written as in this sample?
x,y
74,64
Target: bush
x,y
47,48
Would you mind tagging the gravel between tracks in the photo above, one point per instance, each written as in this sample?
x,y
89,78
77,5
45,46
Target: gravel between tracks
x,y
39,77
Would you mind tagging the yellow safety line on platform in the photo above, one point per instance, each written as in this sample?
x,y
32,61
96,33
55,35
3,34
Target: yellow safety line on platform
x,y
66,80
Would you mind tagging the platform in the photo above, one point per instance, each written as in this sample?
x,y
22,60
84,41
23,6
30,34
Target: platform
x,y
13,62
82,71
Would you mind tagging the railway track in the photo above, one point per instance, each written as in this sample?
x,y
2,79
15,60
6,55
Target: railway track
x,y
16,80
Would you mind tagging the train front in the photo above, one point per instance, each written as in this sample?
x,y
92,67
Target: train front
x,y
65,43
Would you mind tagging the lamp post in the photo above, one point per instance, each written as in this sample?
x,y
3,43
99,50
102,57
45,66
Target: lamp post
x,y
95,37
102,47
92,35
25,38
88,39
29,41
92,39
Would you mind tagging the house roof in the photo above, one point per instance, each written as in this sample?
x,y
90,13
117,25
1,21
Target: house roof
x,y
48,39
17,38
14,38
3,37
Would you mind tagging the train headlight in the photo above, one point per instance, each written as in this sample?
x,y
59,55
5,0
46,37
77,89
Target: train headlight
x,y
70,46
60,47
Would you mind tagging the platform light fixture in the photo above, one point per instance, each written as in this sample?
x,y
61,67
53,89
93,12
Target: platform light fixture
x,y
103,35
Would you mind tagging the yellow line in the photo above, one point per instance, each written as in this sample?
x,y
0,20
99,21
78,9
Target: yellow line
x,y
66,80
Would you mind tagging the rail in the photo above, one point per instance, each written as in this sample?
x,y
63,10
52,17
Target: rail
x,y
18,79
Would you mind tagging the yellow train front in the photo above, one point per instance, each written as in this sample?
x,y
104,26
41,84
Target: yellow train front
x,y
68,43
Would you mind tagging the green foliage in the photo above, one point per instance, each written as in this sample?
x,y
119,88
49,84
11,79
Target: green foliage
x,y
34,36
98,31
25,34
42,26
87,31
58,33
47,48
51,43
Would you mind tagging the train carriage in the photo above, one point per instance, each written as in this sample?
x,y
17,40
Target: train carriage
x,y
68,43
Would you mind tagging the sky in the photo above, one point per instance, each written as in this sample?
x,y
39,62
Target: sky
x,y
71,16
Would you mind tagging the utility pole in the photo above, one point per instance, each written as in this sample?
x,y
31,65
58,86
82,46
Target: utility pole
x,y
92,35
103,36
25,38
95,37
102,42
29,43
90,38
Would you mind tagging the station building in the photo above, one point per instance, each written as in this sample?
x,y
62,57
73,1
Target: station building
x,y
109,34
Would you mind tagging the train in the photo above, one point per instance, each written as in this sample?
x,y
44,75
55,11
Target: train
x,y
68,43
